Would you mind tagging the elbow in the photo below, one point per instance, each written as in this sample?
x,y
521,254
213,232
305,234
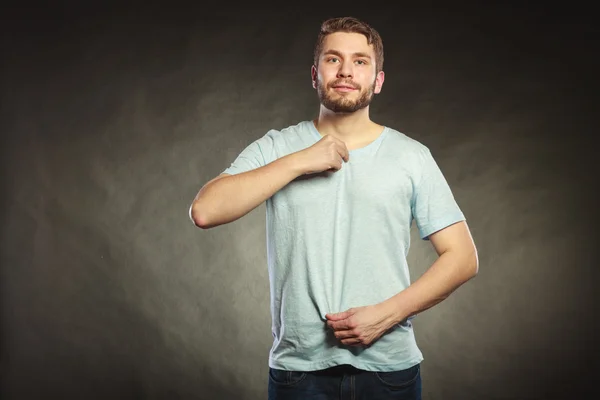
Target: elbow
x,y
473,264
467,266
195,214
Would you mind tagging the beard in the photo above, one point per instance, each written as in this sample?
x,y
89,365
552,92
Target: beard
x,y
341,104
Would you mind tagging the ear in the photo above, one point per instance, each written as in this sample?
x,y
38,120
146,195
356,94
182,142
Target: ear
x,y
379,81
313,74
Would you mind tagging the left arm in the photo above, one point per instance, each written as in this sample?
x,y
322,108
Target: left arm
x,y
457,263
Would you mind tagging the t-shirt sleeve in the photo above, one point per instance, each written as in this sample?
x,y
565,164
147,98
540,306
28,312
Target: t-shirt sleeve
x,y
433,204
255,155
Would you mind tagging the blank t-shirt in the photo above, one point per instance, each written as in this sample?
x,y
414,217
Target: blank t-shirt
x,y
340,239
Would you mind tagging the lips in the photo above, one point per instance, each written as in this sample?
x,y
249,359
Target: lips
x,y
344,89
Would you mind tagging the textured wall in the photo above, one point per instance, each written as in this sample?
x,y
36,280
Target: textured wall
x,y
113,120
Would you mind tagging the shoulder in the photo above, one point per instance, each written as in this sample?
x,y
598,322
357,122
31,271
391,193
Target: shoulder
x,y
293,137
275,135
278,142
301,128
402,144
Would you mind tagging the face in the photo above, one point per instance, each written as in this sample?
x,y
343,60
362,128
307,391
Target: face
x,y
346,78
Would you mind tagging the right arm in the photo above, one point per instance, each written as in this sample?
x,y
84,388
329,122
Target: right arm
x,y
227,198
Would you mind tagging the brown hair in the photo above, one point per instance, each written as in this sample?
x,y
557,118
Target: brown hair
x,y
350,25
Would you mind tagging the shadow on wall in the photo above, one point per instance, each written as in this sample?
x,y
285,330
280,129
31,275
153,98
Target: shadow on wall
x,y
84,316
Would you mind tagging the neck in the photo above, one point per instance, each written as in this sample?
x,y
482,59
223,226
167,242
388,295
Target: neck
x,y
347,127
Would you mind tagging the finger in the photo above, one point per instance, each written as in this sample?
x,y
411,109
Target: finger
x,y
340,326
344,334
343,152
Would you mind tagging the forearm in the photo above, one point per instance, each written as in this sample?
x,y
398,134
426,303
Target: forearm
x,y
232,197
446,274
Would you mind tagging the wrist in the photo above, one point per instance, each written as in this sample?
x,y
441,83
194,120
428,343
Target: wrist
x,y
296,164
393,311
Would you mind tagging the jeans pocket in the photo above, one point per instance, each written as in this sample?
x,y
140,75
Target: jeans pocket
x,y
287,378
399,379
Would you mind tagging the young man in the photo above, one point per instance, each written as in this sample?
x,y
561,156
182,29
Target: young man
x,y
341,194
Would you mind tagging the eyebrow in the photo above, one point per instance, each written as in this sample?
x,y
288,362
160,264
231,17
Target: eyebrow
x,y
337,53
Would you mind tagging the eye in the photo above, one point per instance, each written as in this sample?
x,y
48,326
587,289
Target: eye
x,y
362,61
331,59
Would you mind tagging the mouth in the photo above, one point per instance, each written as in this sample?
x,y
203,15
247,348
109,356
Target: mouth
x,y
343,88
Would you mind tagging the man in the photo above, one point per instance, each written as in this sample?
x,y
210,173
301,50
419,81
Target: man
x,y
341,193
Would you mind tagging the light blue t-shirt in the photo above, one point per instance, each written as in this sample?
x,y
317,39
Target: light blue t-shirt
x,y
340,239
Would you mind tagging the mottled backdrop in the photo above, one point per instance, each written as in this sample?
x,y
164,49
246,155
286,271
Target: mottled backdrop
x,y
113,118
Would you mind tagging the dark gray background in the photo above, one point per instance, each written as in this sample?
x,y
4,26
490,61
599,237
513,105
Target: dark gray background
x,y
112,119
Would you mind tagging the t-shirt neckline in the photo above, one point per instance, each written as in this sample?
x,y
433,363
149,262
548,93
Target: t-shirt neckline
x,y
318,137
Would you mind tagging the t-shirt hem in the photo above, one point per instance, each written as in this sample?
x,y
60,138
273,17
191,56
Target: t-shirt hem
x,y
430,229
232,171
335,361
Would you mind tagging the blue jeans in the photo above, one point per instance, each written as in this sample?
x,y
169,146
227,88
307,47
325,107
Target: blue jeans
x,y
345,382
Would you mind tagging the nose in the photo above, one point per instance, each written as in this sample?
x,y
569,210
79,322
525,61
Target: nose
x,y
345,70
